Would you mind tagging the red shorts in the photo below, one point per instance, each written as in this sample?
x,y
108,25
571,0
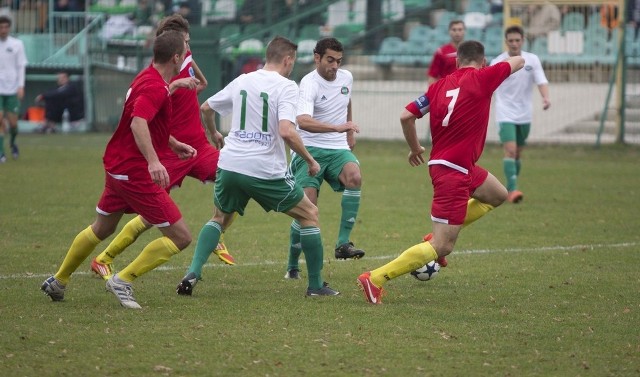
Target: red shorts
x,y
451,192
203,167
142,197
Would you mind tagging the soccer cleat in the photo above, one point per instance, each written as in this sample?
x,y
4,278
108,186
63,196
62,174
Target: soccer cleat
x,y
101,269
185,288
442,261
348,251
515,197
15,153
123,292
372,293
292,274
3,158
324,291
53,288
223,254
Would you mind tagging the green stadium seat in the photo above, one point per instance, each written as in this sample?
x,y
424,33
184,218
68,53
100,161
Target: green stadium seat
x,y
390,48
573,21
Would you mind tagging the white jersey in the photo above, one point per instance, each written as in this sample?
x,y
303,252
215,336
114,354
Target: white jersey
x,y
327,102
513,96
13,63
258,101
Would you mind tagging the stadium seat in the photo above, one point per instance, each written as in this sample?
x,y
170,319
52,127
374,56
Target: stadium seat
x,y
305,50
309,31
421,32
474,34
481,6
229,31
254,31
415,52
573,21
390,48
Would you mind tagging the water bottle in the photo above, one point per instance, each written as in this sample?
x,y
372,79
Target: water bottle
x,y
66,126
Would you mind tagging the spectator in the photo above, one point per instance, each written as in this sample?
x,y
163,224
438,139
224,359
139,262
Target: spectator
x,y
67,96
633,15
543,19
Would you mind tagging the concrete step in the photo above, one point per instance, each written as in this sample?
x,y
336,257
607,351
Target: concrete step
x,y
631,114
592,126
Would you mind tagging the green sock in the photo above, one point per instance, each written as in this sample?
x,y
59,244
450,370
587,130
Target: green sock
x,y
1,144
295,247
350,205
311,242
518,164
207,242
510,171
13,131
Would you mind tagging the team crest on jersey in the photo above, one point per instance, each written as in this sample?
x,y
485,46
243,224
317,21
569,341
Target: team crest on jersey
x,y
192,73
528,67
344,90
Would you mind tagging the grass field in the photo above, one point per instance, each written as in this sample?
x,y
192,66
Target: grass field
x,y
550,287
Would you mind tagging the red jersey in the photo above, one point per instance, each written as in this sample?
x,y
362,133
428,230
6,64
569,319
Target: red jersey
x,y
186,125
147,98
459,107
444,61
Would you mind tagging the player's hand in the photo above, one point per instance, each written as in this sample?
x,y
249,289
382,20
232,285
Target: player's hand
x,y
314,168
187,82
351,140
184,151
416,158
218,140
159,174
545,103
348,127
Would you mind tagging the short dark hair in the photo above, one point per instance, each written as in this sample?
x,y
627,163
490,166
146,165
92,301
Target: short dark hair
x,y
166,45
279,48
5,20
328,43
470,51
454,22
514,29
174,22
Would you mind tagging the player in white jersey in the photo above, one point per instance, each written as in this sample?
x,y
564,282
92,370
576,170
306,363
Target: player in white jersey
x,y
253,161
514,107
13,63
327,130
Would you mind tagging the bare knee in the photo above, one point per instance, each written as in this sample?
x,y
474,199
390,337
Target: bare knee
x,y
351,176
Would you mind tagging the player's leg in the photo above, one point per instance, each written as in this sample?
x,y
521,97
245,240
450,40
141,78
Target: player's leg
x,y
311,187
3,129
101,264
12,118
350,179
522,134
295,245
82,246
306,213
507,135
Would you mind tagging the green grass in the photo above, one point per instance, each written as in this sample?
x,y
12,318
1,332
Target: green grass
x,y
549,287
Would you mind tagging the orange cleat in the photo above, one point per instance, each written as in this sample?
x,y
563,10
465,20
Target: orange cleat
x,y
515,197
372,293
223,254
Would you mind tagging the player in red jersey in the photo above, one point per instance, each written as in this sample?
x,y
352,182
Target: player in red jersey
x,y
135,179
186,126
459,115
444,59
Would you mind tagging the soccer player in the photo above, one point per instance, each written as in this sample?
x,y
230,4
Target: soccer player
x,y
444,59
186,126
514,107
253,162
327,131
12,76
459,114
135,178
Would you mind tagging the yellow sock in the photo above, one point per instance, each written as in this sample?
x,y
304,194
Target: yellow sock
x,y
126,237
154,254
411,259
475,210
82,246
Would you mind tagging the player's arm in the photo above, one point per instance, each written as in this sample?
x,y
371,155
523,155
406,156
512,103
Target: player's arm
x,y
183,150
287,131
351,135
310,124
209,120
416,151
544,93
157,171
186,82
202,85
516,63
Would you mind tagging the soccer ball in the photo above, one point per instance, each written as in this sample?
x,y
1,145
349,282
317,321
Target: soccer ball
x,y
426,272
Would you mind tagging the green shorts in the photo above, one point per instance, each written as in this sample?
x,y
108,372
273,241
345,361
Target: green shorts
x,y
331,162
9,104
232,192
514,132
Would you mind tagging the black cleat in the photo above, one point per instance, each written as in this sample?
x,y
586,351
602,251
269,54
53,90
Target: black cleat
x,y
348,251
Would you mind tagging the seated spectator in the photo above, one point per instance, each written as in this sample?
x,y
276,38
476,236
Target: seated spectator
x,y
543,19
67,96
